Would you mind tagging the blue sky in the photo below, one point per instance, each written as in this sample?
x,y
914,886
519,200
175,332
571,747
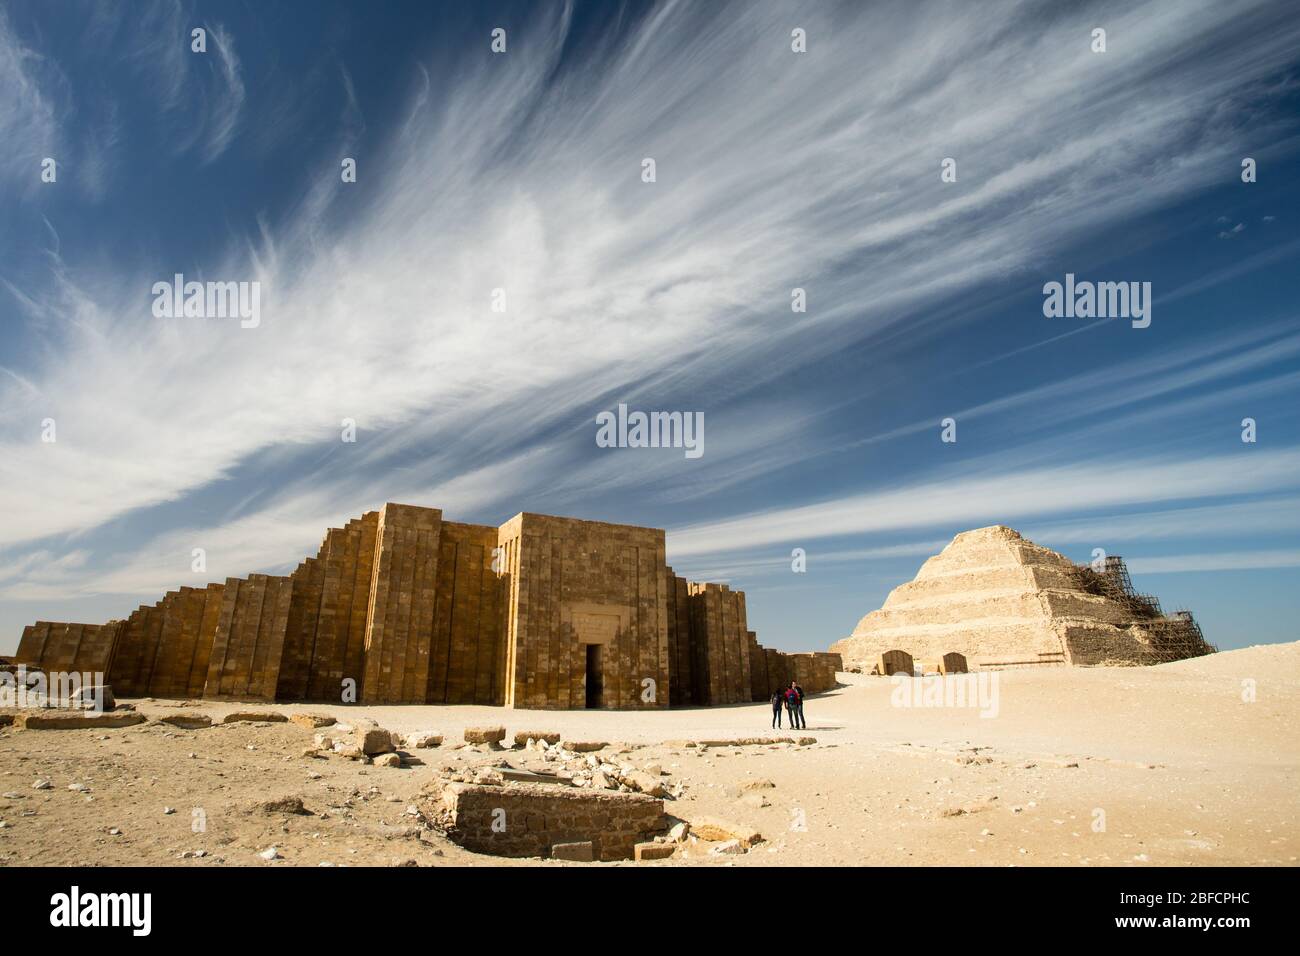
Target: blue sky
x,y
774,170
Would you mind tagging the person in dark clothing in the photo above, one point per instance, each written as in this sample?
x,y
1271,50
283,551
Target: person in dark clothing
x,y
776,710
797,713
792,705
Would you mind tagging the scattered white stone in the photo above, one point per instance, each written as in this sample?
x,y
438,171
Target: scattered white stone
x,y
169,810
270,854
42,785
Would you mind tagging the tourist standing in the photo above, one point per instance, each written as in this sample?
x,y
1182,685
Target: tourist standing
x,y
776,710
798,705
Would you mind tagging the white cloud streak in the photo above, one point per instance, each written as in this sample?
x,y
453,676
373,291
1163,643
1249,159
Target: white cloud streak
x,y
29,128
1009,496
773,171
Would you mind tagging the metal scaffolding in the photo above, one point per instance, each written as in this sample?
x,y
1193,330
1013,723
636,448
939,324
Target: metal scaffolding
x,y
1172,637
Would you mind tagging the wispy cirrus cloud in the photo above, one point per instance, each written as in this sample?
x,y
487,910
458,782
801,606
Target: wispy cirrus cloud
x,y
1005,492
226,100
29,129
522,173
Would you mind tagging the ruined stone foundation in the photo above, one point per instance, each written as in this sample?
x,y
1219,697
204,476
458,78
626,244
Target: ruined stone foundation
x,y
401,607
1003,601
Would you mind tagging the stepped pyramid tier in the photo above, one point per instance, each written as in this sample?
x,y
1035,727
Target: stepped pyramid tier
x,y
1003,601
401,607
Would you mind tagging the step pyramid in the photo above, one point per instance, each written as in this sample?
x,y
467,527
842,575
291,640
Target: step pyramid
x,y
1003,601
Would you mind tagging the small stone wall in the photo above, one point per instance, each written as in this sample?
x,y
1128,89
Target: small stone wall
x,y
528,819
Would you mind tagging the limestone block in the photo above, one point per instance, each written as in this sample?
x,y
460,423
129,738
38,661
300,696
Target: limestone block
x,y
187,721
654,851
717,829
255,717
371,740
312,721
484,735
75,720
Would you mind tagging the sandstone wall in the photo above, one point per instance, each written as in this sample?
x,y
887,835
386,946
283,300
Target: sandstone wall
x,y
531,818
681,668
85,648
184,647
760,685
719,635
294,681
577,583
468,641
403,592
162,650
716,660
325,637
249,638
1090,643
414,609
780,671
137,644
772,671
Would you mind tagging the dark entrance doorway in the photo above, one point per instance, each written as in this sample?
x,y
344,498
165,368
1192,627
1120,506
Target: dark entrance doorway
x,y
595,676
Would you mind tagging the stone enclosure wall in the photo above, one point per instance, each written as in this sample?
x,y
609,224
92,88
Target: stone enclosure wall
x,y
400,606
585,593
69,647
519,820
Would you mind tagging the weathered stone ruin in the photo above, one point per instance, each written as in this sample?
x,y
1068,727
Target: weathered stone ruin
x,y
1001,601
531,819
404,607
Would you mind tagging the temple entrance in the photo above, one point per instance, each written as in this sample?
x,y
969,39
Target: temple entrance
x,y
595,676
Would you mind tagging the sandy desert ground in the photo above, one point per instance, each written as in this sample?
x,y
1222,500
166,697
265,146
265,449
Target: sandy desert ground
x,y
1179,768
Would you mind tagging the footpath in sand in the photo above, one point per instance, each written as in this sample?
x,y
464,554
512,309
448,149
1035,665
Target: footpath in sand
x,y
1159,766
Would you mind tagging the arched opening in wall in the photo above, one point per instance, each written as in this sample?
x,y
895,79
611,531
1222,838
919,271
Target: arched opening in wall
x,y
595,677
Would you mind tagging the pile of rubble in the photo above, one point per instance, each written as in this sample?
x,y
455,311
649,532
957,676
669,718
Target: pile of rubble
x,y
369,743
605,773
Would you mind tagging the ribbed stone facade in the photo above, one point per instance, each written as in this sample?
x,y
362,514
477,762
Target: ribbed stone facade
x,y
401,607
